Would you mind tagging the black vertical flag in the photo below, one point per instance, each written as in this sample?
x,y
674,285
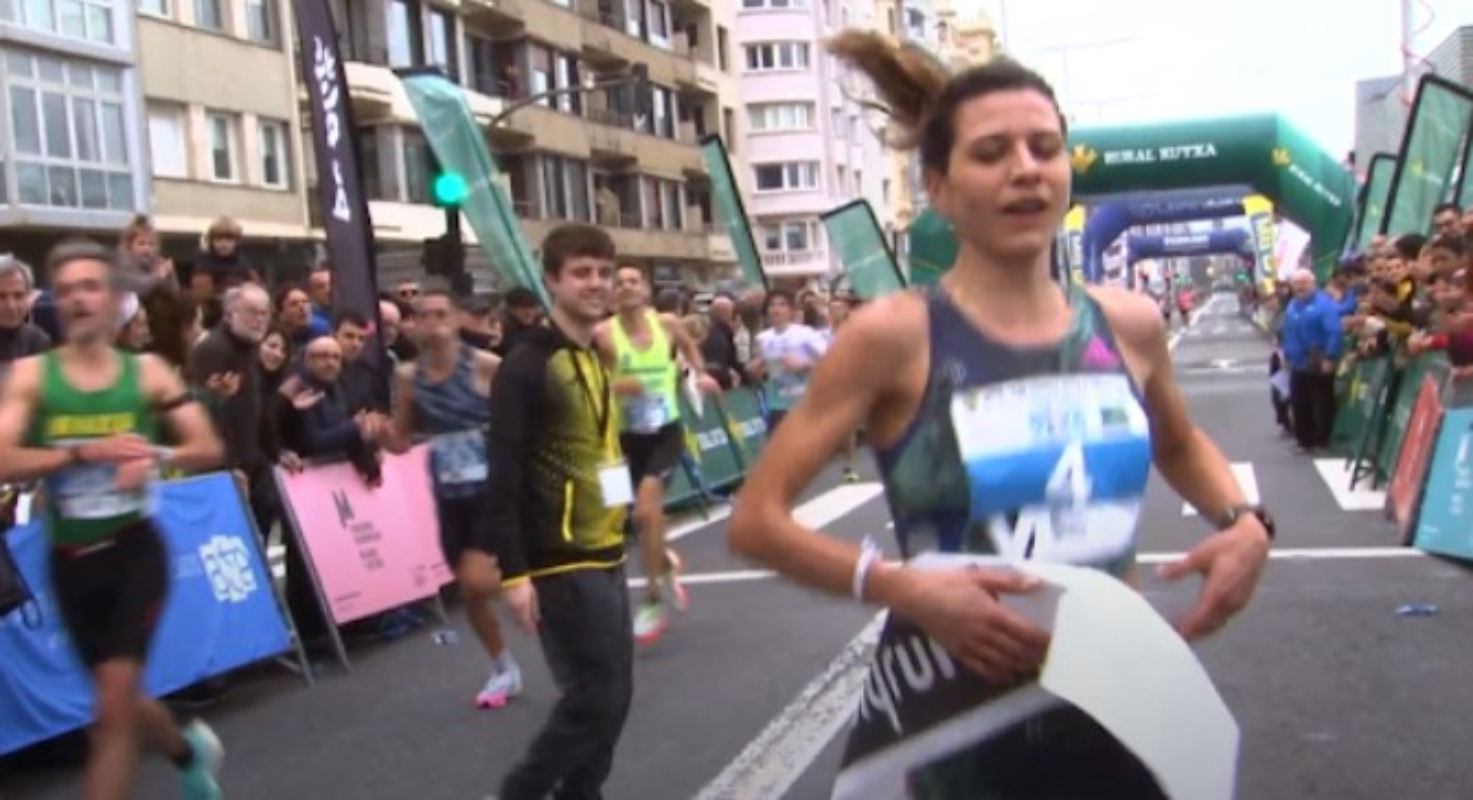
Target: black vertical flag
x,y
340,192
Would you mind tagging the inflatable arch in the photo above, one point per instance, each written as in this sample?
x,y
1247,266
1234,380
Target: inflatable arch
x,y
1230,240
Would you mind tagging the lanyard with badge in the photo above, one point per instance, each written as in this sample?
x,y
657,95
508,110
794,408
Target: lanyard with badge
x,y
614,482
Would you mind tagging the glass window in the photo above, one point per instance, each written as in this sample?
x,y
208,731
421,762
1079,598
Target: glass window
x,y
109,80
99,22
567,78
166,141
58,131
662,112
659,21
73,20
39,16
67,125
155,7
777,55
207,15
781,116
261,20
114,134
540,61
673,206
418,165
405,34
7,13
578,190
795,235
790,175
772,238
79,75
223,146
25,121
85,114
650,189
554,190
275,154
30,181
442,43
61,181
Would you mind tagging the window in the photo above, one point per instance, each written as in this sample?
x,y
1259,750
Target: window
x,y
70,143
777,4
261,21
651,190
564,188
662,103
791,236
405,34
568,77
780,116
858,181
79,19
659,23
840,184
728,126
787,176
373,175
159,8
442,44
275,154
540,60
224,145
777,55
207,15
674,208
723,60
836,123
419,164
167,142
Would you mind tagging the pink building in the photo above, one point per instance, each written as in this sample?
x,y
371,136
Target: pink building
x,y
808,146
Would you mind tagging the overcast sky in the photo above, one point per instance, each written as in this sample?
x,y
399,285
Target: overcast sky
x,y
1145,60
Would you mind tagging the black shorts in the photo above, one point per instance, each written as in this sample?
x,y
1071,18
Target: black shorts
x,y
653,455
110,594
459,517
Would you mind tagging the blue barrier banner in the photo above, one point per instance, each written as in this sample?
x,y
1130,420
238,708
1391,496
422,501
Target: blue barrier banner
x,y
221,614
1445,520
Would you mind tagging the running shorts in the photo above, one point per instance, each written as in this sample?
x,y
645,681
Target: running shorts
x,y
110,594
653,455
459,519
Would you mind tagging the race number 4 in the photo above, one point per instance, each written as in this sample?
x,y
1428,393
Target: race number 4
x,y
1067,527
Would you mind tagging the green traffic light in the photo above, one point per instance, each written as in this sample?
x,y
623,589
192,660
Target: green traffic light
x,y
450,188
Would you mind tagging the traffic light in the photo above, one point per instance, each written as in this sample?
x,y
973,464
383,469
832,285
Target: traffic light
x,y
449,189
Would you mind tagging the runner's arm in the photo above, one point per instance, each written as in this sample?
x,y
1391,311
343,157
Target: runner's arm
x,y
199,447
399,433
18,397
518,388
685,345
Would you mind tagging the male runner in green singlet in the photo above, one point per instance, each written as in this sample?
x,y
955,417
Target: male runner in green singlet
x,y
639,346
84,417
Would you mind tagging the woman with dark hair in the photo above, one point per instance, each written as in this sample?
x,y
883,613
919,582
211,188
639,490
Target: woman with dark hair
x,y
274,354
1013,419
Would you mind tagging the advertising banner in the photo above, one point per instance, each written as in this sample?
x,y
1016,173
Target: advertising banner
x,y
221,613
1431,151
1367,379
1416,451
1445,518
733,213
372,548
459,144
717,456
744,423
1373,198
856,236
1398,419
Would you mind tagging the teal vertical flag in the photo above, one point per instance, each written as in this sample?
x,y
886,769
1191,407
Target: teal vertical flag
x,y
1373,202
1431,151
933,247
460,147
731,210
860,243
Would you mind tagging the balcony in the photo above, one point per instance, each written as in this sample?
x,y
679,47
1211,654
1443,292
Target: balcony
x,y
497,17
795,262
720,248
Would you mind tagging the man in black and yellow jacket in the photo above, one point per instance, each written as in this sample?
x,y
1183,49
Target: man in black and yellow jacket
x,y
560,490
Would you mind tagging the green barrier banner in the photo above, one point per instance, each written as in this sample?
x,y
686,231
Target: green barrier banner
x,y
716,455
1357,404
1400,413
744,423
732,212
1430,152
860,242
460,147
1373,198
682,488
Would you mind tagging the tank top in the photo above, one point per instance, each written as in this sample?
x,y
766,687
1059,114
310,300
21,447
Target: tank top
x,y
658,405
456,416
83,505
1024,452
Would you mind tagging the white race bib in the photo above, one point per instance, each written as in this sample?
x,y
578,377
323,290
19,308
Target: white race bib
x,y
615,484
459,458
645,413
90,491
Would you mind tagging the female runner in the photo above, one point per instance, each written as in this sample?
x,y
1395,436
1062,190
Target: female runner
x,y
1010,417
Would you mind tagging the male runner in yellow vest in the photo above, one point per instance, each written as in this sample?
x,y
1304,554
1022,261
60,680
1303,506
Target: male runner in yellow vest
x,y
639,346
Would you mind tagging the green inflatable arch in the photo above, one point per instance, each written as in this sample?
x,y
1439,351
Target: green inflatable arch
x,y
1305,183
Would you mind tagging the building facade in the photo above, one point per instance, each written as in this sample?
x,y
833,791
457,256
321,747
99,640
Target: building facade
x,y
583,152
1383,104
223,122
72,155
809,144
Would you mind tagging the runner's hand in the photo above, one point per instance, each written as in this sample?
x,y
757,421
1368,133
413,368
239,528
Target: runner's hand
x,y
305,399
960,609
1231,563
521,599
134,475
115,449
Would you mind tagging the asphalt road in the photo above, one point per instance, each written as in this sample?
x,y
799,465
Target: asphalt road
x,y
1336,695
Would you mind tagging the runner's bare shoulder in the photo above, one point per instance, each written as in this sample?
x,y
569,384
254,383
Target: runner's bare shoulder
x,y
1133,316
885,333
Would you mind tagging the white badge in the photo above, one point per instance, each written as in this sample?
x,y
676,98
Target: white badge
x,y
615,484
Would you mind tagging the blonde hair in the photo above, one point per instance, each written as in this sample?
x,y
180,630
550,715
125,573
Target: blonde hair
x,y
696,326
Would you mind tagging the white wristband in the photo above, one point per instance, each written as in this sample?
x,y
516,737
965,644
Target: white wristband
x,y
869,553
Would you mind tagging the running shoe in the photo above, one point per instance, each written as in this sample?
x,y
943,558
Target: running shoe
x,y
504,684
200,781
670,581
651,621
850,476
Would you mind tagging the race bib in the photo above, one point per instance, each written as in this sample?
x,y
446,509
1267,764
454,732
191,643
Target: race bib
x,y
645,413
89,491
459,458
615,485
1057,465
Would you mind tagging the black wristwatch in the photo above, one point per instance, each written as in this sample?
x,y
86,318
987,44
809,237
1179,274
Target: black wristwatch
x,y
1230,517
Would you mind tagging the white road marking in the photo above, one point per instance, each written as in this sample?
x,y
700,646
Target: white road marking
x,y
1337,478
1247,481
771,763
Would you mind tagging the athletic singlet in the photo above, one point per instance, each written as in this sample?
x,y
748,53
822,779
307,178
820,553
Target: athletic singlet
x,y
455,415
1030,453
83,505
658,405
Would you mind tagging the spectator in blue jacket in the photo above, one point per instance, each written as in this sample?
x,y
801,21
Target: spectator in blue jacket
x,y
1312,344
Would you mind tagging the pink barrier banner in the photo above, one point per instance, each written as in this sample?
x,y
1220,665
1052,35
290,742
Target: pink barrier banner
x,y
372,548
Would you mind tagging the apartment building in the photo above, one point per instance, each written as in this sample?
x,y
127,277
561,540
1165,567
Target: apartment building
x,y
809,145
223,123
583,153
72,152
